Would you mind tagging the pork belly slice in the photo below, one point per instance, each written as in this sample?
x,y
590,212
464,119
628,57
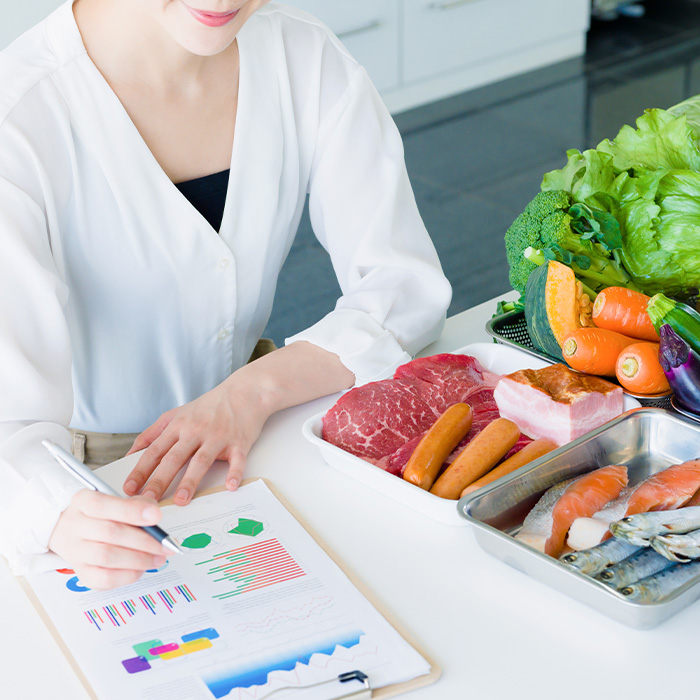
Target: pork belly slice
x,y
556,402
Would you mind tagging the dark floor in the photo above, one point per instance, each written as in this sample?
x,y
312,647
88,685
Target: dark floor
x,y
476,159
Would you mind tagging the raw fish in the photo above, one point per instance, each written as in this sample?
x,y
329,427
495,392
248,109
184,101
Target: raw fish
x,y
546,525
593,561
654,588
639,565
640,528
588,532
667,489
682,548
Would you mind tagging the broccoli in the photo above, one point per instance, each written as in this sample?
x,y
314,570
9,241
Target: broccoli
x,y
503,307
553,227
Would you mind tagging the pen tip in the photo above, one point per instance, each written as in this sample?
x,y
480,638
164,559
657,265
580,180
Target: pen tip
x,y
171,545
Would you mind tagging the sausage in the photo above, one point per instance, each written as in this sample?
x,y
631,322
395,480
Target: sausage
x,y
485,451
435,446
527,454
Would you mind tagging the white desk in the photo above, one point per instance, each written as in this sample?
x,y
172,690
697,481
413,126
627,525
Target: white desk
x,y
496,633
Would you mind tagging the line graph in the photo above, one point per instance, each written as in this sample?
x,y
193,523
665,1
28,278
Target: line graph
x,y
309,663
315,607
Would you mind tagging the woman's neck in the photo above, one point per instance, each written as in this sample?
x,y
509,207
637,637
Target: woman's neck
x,y
129,46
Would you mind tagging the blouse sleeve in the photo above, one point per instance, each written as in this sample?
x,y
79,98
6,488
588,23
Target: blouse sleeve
x,y
394,293
36,398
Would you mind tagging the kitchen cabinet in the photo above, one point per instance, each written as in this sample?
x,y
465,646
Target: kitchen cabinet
x,y
370,29
417,51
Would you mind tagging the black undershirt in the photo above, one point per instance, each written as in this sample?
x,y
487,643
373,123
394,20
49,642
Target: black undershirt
x,y
208,196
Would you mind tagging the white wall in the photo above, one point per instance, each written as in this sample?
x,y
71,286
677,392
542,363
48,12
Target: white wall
x,y
16,16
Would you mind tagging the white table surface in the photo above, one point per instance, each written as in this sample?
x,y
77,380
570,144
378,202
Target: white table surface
x,y
496,633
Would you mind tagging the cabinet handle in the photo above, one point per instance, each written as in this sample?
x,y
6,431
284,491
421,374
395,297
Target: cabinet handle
x,y
449,4
370,26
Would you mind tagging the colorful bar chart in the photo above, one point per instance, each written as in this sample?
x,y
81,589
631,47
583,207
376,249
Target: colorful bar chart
x,y
155,651
252,567
118,614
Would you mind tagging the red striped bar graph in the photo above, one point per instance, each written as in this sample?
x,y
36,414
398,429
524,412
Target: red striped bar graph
x,y
118,614
252,567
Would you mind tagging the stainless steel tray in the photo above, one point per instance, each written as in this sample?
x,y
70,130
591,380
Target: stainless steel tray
x,y
511,329
646,440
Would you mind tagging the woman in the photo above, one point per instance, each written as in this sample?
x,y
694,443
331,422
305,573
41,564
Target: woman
x,y
123,300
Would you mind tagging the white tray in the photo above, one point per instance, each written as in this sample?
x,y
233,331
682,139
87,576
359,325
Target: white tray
x,y
494,357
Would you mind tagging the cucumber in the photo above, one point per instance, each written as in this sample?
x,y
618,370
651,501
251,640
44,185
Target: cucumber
x,y
684,319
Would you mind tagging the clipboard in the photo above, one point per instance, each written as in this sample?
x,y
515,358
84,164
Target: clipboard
x,y
353,685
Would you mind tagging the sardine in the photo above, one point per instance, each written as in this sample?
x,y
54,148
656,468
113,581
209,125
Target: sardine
x,y
592,561
665,490
654,588
639,529
644,562
682,548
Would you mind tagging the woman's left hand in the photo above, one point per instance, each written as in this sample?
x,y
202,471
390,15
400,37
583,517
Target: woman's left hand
x,y
220,425
224,423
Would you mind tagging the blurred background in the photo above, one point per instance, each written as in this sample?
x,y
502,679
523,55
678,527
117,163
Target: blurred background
x,y
488,95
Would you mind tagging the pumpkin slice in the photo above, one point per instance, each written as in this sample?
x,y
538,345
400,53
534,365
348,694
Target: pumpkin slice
x,y
555,306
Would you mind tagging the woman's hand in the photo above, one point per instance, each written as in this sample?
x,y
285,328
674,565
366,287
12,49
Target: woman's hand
x,y
98,537
224,423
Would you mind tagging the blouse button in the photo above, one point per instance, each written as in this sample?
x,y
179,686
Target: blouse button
x,y
224,263
223,334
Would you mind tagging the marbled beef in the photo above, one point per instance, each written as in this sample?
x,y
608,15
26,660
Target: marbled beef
x,y
382,422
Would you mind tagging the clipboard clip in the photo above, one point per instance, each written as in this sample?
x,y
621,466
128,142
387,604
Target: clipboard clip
x,y
340,692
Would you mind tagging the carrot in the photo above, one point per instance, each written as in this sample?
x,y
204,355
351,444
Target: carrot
x,y
435,446
639,370
524,456
624,311
594,350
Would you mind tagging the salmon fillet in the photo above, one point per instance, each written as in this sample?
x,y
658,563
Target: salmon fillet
x,y
667,489
546,525
674,487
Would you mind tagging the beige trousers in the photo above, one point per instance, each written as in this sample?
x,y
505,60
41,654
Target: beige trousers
x,y
98,449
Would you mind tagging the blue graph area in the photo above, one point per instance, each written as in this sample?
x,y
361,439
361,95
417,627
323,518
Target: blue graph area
x,y
223,682
72,584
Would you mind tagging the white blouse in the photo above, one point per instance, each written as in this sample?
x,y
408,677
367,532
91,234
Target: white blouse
x,y
119,301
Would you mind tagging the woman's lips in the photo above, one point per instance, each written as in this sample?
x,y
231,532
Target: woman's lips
x,y
212,19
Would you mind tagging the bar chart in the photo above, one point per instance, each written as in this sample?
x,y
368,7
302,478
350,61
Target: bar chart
x,y
252,567
119,613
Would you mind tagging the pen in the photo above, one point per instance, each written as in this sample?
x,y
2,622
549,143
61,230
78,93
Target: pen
x,y
94,483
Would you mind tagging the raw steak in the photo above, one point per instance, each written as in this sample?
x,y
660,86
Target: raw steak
x,y
377,420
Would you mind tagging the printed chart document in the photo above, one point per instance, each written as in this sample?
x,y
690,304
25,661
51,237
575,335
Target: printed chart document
x,y
255,605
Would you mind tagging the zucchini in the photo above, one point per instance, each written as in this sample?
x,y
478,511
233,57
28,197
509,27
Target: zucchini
x,y
684,319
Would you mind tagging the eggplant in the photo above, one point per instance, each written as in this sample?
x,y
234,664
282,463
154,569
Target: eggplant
x,y
681,365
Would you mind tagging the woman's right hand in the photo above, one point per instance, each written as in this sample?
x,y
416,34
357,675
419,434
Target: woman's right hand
x,y
98,536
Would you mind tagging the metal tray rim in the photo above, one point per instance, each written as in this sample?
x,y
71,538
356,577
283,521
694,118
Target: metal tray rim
x,y
596,587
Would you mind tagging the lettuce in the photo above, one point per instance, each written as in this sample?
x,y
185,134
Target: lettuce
x,y
689,108
648,178
661,140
